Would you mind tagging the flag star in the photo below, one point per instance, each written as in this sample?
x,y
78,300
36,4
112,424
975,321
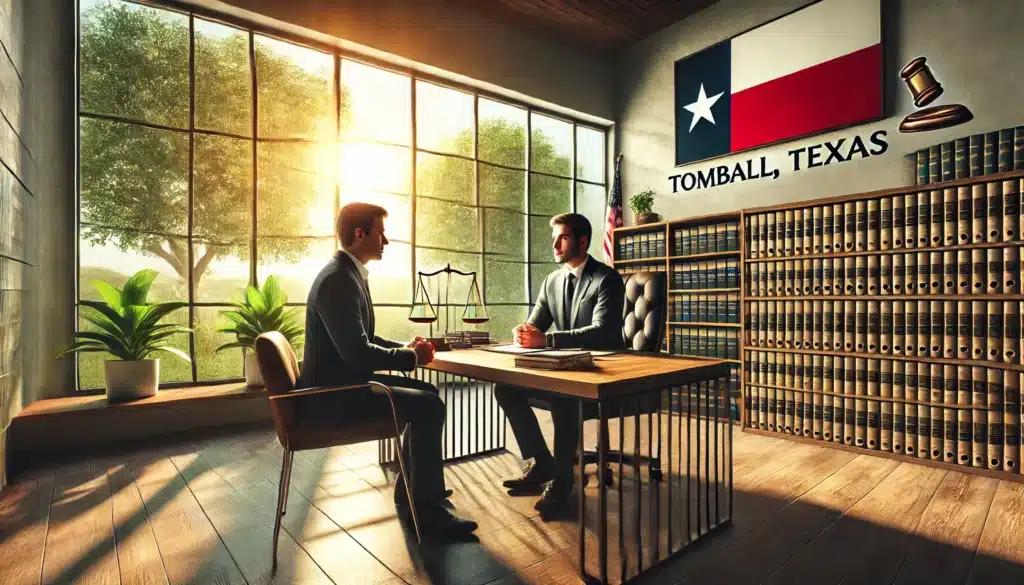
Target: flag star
x,y
702,107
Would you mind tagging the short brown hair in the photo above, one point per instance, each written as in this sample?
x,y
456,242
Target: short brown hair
x,y
578,224
357,215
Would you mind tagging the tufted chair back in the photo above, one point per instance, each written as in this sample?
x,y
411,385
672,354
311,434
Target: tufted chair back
x,y
644,311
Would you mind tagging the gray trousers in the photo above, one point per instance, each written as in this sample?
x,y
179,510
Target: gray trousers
x,y
516,402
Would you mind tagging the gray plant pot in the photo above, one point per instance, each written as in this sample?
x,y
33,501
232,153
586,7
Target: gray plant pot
x,y
131,380
253,377
645,218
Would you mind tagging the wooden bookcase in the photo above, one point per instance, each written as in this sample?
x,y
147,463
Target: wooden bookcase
x,y
701,257
965,391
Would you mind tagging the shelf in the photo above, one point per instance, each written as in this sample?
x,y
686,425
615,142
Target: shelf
x,y
1005,475
707,357
707,255
640,260
653,227
978,297
972,246
694,291
704,324
993,178
755,385
879,356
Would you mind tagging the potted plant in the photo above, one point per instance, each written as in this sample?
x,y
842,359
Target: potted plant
x,y
641,204
262,310
129,328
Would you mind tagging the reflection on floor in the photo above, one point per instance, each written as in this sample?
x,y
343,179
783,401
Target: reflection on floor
x,y
201,511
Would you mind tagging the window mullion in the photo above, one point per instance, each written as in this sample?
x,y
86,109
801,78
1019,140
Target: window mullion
x,y
190,277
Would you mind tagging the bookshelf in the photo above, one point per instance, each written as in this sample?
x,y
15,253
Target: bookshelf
x,y
702,258
892,326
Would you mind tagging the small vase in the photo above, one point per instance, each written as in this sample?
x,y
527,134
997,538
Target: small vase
x,y
253,378
131,380
647,217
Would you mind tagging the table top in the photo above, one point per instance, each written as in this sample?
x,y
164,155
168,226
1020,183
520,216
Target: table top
x,y
613,375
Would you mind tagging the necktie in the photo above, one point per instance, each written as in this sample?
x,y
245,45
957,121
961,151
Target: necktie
x,y
570,290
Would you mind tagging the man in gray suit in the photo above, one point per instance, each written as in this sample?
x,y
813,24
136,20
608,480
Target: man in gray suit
x,y
342,348
582,305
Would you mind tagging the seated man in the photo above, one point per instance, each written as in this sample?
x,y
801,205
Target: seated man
x,y
584,303
341,348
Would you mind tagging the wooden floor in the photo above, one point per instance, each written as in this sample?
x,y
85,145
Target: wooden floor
x,y
201,511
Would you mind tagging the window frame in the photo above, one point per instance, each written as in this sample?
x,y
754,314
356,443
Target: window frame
x,y
252,30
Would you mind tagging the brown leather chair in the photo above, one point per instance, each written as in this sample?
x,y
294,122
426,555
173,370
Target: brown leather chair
x,y
280,373
644,318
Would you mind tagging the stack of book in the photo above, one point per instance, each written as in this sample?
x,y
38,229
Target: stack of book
x,y
556,359
971,156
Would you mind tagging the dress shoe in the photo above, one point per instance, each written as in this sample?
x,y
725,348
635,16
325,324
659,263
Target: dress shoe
x,y
533,479
437,522
556,501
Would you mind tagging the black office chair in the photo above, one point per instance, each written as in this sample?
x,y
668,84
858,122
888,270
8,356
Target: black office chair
x,y
644,318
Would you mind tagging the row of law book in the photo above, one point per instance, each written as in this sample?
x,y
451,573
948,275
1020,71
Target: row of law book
x,y
706,239
952,272
942,217
968,330
704,342
707,400
691,308
971,156
705,274
986,439
638,246
957,414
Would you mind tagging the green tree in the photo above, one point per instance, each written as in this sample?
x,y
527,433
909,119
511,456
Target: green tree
x,y
134,179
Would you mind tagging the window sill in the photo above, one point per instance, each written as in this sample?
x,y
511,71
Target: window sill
x,y
98,403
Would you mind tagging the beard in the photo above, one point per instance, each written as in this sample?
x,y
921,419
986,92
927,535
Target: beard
x,y
572,252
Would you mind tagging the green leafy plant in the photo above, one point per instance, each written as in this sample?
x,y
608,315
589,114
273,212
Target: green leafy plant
x,y
262,310
128,326
642,202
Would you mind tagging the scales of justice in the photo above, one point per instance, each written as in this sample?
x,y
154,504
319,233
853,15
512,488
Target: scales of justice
x,y
474,311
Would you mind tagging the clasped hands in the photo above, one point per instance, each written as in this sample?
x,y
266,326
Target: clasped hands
x,y
424,350
528,336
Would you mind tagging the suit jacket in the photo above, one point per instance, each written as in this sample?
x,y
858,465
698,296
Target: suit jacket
x,y
341,346
595,321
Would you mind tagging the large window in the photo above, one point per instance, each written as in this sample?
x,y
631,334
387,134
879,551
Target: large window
x,y
219,155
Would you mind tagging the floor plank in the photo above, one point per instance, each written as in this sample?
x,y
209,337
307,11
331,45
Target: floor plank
x,y
1000,556
80,540
138,556
24,520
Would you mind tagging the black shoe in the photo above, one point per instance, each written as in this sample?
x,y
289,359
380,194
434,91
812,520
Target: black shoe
x,y
437,522
556,501
533,479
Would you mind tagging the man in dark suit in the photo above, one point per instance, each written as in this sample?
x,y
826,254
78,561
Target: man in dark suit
x,y
582,304
342,348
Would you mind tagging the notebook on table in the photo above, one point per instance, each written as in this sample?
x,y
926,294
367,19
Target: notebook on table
x,y
556,359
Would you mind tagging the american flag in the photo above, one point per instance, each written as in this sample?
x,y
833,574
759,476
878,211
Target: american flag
x,y
613,217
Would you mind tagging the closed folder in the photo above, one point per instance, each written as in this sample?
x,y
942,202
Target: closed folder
x,y
899,329
963,329
899,214
924,432
885,328
1011,421
861,267
949,330
949,276
1011,210
807,275
899,273
964,269
979,218
949,428
850,274
873,226
885,224
924,273
885,273
938,433
924,218
1011,334
839,326
861,238
910,429
995,331
899,380
964,416
979,330
979,271
838,227
937,329
995,419
818,275
937,273
1011,270
787,236
850,229
898,428
995,212
873,325
995,270
910,221
850,327
910,380
910,336
885,436
874,274
807,333
818,227
979,400
910,273
827,228
937,227
949,217
808,238
963,200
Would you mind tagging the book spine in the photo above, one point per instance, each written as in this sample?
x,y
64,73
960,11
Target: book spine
x,y
1005,156
976,147
948,170
960,154
991,153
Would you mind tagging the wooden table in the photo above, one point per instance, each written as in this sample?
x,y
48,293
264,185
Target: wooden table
x,y
616,382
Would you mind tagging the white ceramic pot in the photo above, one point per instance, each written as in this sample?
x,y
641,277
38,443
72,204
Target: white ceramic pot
x,y
253,378
129,380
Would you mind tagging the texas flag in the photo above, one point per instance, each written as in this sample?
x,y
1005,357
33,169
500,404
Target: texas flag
x,y
813,70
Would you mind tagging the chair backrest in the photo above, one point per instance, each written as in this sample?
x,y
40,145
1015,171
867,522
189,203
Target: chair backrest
x,y
277,362
644,311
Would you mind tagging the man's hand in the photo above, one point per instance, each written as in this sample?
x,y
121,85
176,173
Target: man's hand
x,y
528,336
424,352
